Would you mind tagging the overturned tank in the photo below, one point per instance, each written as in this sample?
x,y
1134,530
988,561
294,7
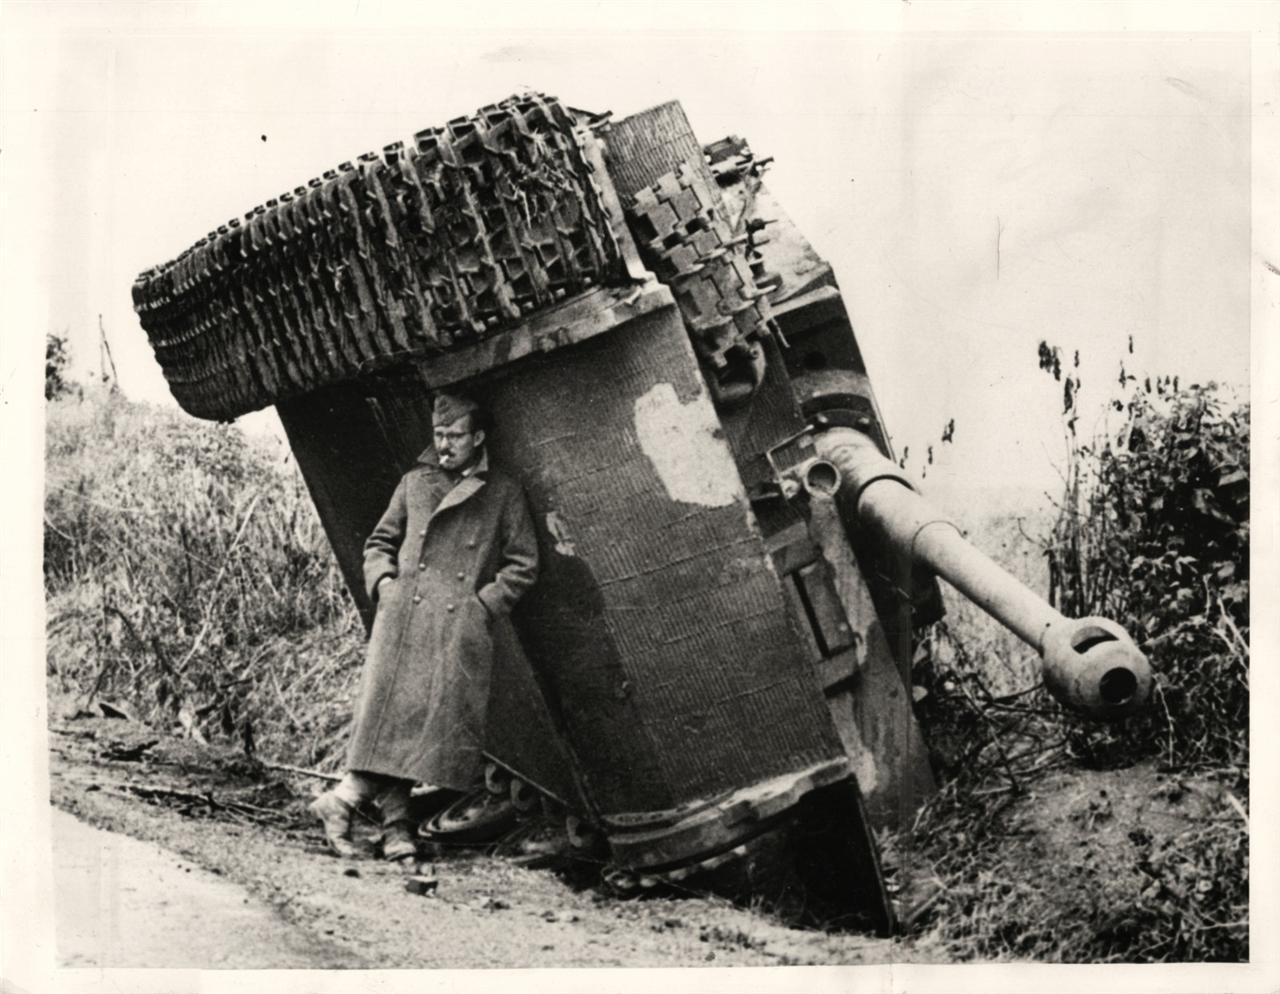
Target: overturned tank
x,y
712,668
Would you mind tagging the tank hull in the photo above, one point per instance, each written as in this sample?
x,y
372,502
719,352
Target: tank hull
x,y
660,674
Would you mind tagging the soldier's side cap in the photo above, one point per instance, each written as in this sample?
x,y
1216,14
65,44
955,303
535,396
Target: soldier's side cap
x,y
449,407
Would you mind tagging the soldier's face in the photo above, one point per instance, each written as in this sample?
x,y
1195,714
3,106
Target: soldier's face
x,y
456,444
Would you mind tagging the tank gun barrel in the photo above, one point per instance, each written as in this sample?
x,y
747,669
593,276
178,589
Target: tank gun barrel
x,y
1091,665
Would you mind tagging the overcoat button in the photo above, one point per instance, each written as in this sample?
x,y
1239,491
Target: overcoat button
x,y
462,576
423,533
422,566
470,545
417,599
448,607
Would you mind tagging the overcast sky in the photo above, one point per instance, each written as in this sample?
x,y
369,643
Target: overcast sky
x,y
1112,170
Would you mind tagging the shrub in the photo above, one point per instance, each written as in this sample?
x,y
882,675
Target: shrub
x,y
1154,531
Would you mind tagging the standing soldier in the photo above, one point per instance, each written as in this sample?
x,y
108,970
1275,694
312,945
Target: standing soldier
x,y
450,558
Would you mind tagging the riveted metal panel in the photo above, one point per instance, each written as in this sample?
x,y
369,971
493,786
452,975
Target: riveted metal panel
x,y
659,626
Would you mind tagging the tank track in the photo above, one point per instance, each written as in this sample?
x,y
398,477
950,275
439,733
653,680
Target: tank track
x,y
418,249
687,244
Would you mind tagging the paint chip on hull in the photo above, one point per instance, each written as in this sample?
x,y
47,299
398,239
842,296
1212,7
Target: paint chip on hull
x,y
559,531
680,440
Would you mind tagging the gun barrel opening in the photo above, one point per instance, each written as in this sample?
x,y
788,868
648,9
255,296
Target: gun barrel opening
x,y
1118,686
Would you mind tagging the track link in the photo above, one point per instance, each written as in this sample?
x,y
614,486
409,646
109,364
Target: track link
x,y
425,246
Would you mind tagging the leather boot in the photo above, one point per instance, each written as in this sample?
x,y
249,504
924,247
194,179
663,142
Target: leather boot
x,y
397,841
335,815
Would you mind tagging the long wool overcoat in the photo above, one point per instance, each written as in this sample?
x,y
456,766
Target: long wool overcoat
x,y
460,553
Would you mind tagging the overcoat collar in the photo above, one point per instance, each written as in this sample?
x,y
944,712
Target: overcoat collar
x,y
466,487
481,466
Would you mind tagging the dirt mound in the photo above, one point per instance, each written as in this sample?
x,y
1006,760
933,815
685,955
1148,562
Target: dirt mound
x,y
1092,865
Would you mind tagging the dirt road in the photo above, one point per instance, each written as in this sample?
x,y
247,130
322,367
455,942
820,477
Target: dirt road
x,y
303,906
125,903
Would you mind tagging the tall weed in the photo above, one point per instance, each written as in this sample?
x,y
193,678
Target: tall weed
x,y
185,569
